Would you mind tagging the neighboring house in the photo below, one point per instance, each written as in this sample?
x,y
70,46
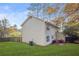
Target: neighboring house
x,y
38,31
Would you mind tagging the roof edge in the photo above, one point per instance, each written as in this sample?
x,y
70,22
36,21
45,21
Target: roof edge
x,y
26,20
29,17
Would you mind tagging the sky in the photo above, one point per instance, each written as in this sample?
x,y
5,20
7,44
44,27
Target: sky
x,y
16,13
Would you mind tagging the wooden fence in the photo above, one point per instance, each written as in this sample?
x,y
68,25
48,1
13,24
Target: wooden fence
x,y
12,39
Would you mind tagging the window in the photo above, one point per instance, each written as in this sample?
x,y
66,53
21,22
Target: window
x,y
48,39
48,28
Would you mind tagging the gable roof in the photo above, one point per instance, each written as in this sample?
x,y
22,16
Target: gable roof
x,y
29,17
39,20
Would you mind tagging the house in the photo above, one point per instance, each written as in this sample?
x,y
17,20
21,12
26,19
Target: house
x,y
38,31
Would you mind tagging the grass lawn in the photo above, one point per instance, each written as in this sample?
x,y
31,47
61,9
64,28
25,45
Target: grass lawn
x,y
23,49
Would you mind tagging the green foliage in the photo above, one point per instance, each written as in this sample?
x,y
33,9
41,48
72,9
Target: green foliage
x,y
13,31
15,34
72,28
8,31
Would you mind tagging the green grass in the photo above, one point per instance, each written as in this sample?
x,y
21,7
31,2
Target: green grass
x,y
23,49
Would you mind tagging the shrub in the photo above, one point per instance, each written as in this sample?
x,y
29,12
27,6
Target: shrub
x,y
58,41
61,41
54,41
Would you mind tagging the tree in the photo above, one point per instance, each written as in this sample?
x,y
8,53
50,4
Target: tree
x,y
48,11
71,8
8,31
1,29
43,10
13,31
72,28
4,24
34,9
72,24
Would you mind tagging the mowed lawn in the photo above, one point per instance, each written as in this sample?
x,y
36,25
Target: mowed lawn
x,y
23,49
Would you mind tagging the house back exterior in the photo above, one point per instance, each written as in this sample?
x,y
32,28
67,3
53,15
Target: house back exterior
x,y
38,31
